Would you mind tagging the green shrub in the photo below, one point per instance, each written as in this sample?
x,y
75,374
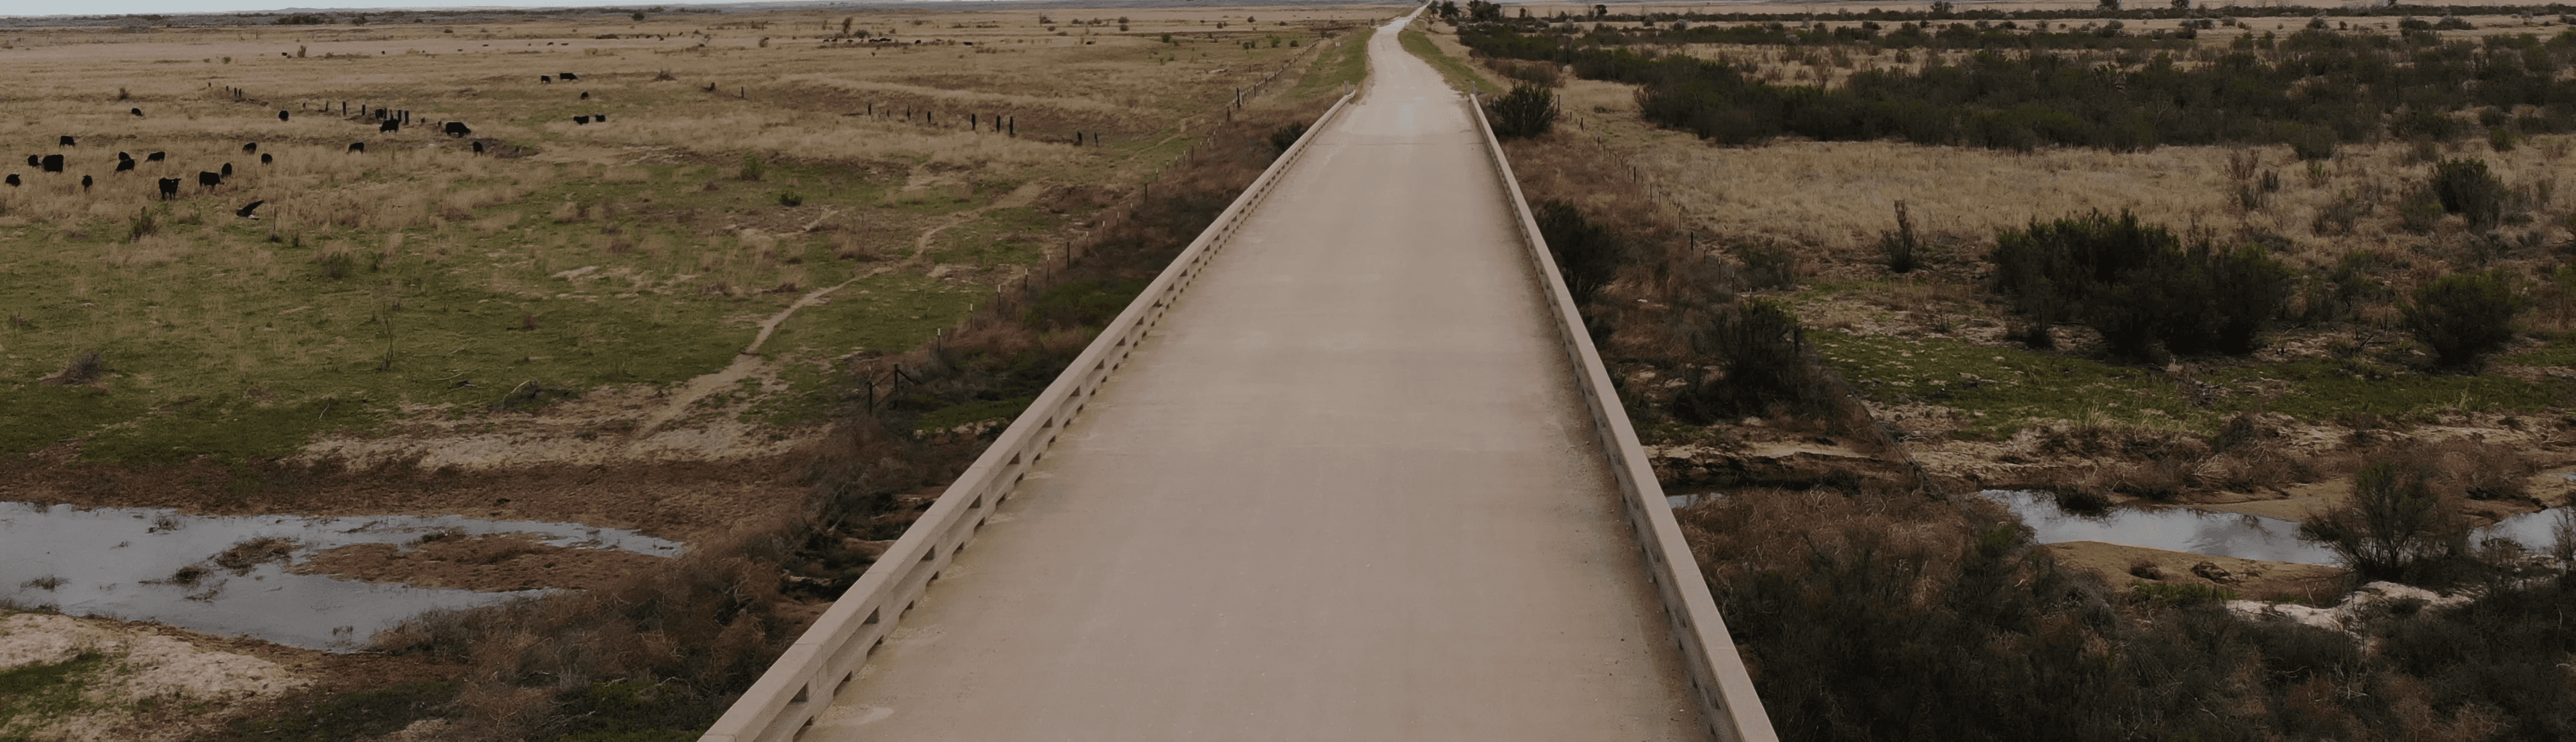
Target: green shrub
x,y
2462,315
2465,187
1287,136
1769,266
2137,285
1587,255
2394,522
1762,363
1527,111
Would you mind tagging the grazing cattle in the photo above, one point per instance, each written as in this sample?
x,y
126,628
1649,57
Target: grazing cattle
x,y
124,165
567,76
34,161
123,156
263,158
169,188
599,118
245,212
357,146
209,180
457,129
85,181
228,170
69,141
155,157
281,115
585,95
13,180
580,120
390,125
545,78
478,148
251,147
135,111
53,163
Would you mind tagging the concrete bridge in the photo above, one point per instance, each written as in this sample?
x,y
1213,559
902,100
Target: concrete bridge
x,y
1349,470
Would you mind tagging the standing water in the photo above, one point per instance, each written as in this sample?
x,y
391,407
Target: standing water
x,y
157,565
2218,534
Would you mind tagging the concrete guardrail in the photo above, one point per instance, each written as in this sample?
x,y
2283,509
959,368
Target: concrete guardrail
x,y
822,662
1717,674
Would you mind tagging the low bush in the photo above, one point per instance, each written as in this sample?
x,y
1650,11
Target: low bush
x,y
2465,187
1527,111
1761,365
2395,524
1587,255
2137,285
2462,315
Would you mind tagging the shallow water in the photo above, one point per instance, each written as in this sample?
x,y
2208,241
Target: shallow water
x,y
119,563
2217,534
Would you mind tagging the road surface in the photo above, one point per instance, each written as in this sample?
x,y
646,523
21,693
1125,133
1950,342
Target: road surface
x,y
1346,491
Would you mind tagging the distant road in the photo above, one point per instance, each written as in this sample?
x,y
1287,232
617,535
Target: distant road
x,y
1346,491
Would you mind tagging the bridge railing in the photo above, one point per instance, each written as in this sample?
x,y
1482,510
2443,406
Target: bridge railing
x,y
823,662
1717,677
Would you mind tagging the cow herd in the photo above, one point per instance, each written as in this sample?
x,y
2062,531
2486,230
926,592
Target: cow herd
x,y
386,120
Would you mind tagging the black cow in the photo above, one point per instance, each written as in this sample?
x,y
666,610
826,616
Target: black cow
x,y
580,120
390,125
124,157
457,129
263,158
124,165
69,141
228,170
85,181
545,78
281,115
478,148
169,188
251,147
135,111
357,146
599,118
13,180
155,157
209,180
34,161
53,163
566,76
585,95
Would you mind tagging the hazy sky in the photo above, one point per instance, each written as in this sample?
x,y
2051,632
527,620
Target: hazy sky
x,y
104,7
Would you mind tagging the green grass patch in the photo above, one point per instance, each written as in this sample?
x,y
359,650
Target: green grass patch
x,y
40,692
1344,64
2182,594
1013,236
2005,389
365,714
1460,77
2559,352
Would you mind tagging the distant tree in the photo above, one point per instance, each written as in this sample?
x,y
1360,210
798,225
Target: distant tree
x,y
1600,10
2109,5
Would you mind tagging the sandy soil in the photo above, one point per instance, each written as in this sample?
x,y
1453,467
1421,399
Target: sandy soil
x,y
196,681
2251,578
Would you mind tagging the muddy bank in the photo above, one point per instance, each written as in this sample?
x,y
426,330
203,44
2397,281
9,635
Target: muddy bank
x,y
680,501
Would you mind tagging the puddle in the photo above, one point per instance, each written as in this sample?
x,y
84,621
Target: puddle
x,y
2167,528
121,563
2217,534
1679,500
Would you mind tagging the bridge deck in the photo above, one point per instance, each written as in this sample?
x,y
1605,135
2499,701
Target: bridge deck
x,y
1346,491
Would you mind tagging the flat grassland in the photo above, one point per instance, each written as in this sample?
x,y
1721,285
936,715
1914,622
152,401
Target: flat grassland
x,y
769,183
643,320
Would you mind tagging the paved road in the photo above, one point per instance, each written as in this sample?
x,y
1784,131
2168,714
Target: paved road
x,y
1345,492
